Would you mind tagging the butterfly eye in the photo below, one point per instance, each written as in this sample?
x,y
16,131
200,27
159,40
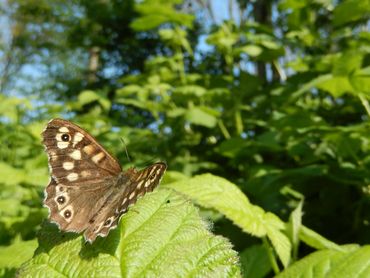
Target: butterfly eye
x,y
65,137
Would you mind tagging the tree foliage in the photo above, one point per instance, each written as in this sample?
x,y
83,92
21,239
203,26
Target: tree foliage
x,y
261,117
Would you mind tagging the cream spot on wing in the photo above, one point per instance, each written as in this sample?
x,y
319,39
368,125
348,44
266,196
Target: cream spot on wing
x,y
147,183
124,201
76,154
62,144
85,173
97,228
132,195
140,184
152,171
77,138
72,177
89,149
96,158
60,188
139,176
53,156
63,129
68,165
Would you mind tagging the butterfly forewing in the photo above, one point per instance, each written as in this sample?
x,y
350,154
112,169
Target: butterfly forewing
x,y
88,190
75,156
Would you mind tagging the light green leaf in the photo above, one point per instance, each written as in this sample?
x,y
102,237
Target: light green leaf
x,y
347,63
281,244
316,240
214,192
311,84
156,13
336,86
295,223
176,112
10,175
352,262
10,106
161,236
218,193
148,22
129,90
9,261
191,90
87,97
251,50
199,116
360,80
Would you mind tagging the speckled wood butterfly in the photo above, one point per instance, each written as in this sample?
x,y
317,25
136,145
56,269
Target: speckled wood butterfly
x,y
88,191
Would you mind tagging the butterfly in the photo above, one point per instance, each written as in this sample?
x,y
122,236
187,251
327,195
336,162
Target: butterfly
x,y
88,191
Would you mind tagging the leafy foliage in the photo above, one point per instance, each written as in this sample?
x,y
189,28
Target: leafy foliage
x,y
331,263
163,236
262,119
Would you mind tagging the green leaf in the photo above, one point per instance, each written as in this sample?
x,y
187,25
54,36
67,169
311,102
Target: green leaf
x,y
195,90
87,97
347,63
129,90
316,240
336,86
251,50
311,84
10,175
360,80
10,106
201,116
161,236
24,251
281,244
295,223
352,262
350,10
214,192
156,13
255,262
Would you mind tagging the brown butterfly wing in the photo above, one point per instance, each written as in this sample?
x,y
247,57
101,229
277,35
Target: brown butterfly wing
x,y
88,191
75,157
133,184
71,207
83,174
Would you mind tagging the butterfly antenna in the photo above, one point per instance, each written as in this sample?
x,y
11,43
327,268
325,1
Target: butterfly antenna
x,y
124,144
149,161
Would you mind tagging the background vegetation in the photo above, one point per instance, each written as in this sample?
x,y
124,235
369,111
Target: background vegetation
x,y
260,108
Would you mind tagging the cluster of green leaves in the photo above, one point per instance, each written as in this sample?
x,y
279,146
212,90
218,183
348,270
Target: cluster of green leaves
x,y
293,137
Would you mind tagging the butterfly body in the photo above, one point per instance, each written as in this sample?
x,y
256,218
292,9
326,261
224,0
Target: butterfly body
x,y
88,190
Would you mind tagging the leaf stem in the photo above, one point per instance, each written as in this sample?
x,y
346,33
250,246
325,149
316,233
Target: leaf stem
x,y
271,255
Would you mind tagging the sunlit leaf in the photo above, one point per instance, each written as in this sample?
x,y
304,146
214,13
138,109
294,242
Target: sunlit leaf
x,y
214,192
332,263
162,235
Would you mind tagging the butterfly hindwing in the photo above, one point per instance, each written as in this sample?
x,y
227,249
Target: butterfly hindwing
x,y
134,185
